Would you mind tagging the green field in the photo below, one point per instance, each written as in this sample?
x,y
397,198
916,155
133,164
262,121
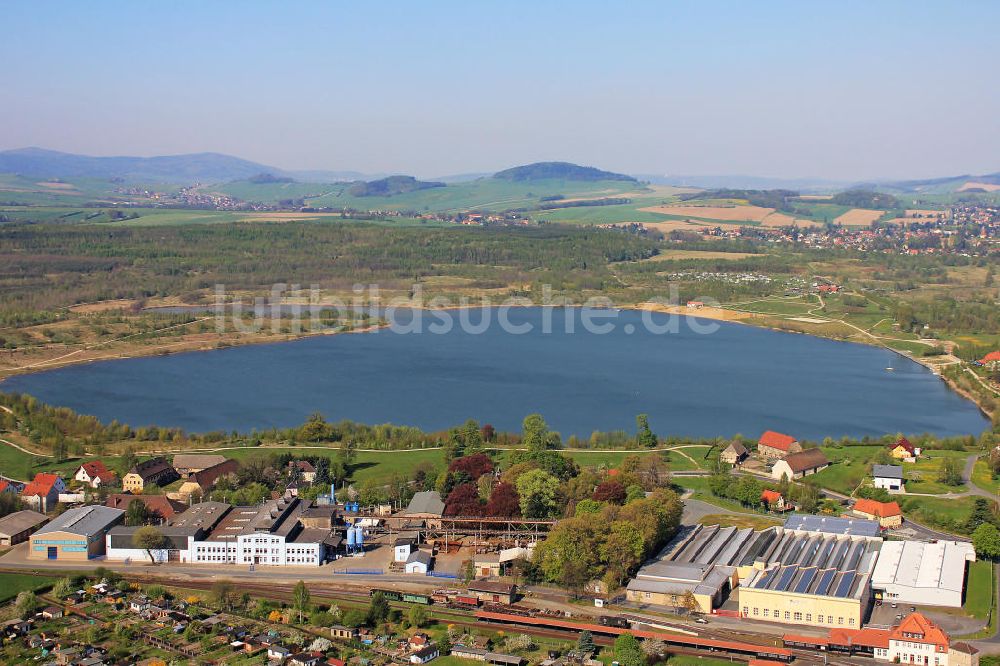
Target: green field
x,y
850,463
486,194
12,584
979,589
983,477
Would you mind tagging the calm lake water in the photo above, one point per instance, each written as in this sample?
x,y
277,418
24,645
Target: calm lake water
x,y
736,380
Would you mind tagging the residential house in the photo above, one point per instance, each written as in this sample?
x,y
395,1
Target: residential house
x,y
734,454
419,562
798,465
903,450
14,488
773,445
187,464
887,514
889,477
202,481
95,474
304,469
159,507
16,527
153,471
991,360
42,493
139,604
775,501
917,640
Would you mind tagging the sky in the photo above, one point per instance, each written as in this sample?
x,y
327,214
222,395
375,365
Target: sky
x,y
837,90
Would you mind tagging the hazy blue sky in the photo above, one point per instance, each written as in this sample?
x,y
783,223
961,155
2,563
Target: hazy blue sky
x,y
845,90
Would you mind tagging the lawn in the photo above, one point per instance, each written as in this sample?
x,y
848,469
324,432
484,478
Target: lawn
x,y
678,461
945,514
983,477
12,584
741,521
979,589
921,476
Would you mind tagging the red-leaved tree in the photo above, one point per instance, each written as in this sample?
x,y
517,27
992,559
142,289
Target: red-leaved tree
x,y
504,502
610,491
475,465
463,500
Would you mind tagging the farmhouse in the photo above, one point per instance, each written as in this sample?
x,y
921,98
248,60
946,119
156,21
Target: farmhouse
x,y
904,450
77,534
887,514
772,445
153,471
889,477
200,482
734,454
798,465
16,527
922,573
95,474
187,464
42,493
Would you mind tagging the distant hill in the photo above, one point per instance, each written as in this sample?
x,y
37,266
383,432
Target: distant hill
x,y
948,184
387,187
558,171
198,167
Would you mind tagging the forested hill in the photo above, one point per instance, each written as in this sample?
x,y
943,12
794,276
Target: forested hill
x,y
199,167
387,187
558,171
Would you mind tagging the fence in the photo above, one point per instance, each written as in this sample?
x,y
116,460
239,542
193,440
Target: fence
x,y
363,572
441,574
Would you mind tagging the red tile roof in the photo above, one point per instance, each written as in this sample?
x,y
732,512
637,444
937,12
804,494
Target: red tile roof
x,y
878,509
992,356
905,443
874,638
97,469
159,505
777,440
916,627
41,485
3,485
770,496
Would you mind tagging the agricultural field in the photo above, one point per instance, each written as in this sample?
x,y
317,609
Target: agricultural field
x,y
13,584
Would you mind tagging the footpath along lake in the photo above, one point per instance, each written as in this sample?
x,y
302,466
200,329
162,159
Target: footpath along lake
x,y
738,379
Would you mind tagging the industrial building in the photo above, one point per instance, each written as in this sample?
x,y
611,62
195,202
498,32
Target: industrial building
x,y
16,527
273,533
922,573
783,573
78,534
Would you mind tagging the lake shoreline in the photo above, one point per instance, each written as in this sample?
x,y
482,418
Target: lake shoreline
x,y
126,351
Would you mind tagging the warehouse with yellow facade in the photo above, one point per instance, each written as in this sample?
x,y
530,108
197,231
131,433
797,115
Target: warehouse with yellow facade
x,y
813,571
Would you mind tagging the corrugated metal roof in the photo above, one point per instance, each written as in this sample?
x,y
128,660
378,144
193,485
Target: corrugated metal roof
x,y
84,520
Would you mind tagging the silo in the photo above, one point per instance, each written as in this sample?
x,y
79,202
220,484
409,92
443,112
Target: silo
x,y
360,539
350,539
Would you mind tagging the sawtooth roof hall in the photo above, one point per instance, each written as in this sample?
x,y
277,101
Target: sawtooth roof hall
x,y
813,570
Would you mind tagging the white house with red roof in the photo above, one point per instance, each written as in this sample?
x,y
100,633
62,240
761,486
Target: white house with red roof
x,y
917,640
95,474
773,445
42,493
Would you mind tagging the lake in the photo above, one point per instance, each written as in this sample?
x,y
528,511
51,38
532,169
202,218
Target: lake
x,y
737,379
